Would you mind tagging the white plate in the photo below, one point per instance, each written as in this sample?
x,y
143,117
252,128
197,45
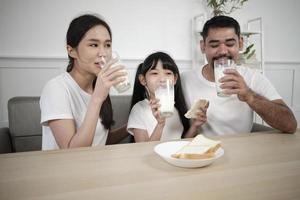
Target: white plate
x,y
165,150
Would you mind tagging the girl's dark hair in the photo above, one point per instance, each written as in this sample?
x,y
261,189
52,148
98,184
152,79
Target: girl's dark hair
x,y
140,93
76,31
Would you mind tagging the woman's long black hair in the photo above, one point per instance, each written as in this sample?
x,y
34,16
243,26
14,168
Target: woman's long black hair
x,y
77,29
140,93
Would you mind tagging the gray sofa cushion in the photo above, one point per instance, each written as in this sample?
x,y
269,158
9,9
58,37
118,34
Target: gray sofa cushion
x,y
259,127
24,123
121,109
5,141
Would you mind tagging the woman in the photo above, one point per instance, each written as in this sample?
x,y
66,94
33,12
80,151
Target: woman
x,y
75,106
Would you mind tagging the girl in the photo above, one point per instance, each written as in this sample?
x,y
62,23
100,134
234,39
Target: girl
x,y
145,122
75,106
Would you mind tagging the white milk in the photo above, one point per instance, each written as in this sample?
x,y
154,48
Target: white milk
x,y
124,85
165,94
219,74
219,67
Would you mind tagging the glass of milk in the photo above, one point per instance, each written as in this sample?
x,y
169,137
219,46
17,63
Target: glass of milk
x,y
165,93
219,66
124,85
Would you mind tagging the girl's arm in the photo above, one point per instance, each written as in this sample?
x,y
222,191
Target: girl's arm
x,y
141,135
64,130
196,123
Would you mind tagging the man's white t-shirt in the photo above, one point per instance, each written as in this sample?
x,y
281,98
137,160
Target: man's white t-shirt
x,y
141,117
62,98
225,115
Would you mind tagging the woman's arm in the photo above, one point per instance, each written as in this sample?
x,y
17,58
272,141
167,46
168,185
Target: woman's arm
x,y
117,135
65,132
67,136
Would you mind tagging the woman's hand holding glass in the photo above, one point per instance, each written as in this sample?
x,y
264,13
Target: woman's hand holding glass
x,y
108,77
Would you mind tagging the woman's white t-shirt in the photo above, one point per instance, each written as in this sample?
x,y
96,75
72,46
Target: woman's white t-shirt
x,y
62,98
141,117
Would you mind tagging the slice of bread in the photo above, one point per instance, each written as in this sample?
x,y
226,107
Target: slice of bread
x,y
199,148
192,113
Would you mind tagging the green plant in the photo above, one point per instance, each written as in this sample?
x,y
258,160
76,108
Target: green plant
x,y
224,7
249,52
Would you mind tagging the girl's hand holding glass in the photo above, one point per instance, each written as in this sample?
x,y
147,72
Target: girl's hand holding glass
x,y
155,106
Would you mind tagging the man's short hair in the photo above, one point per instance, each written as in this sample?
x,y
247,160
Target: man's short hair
x,y
220,22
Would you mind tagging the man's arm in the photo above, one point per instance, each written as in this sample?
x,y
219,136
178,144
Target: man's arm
x,y
276,113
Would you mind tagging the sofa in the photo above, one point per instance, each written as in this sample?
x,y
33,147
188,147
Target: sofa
x,y
24,132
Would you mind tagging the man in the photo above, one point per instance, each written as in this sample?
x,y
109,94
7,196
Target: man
x,y
249,90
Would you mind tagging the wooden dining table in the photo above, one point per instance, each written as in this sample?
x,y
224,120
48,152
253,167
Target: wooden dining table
x,y
262,165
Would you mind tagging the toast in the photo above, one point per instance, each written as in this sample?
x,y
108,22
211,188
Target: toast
x,y
199,148
191,113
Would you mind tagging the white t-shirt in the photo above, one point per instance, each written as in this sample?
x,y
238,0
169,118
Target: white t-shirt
x,y
141,117
62,98
225,115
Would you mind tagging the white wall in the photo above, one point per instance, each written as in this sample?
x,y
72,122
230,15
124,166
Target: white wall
x,y
281,27
32,38
38,27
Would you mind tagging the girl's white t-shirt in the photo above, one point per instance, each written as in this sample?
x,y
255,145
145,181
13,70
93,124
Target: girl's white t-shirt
x,y
141,117
62,98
